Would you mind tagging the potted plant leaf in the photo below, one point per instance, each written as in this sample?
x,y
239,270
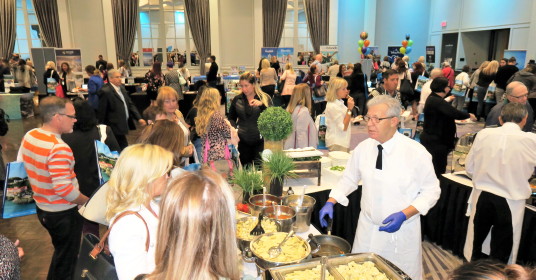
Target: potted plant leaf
x,y
279,167
249,180
275,125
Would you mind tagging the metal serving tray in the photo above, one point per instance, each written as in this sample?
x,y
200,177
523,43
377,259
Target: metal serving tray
x,y
385,266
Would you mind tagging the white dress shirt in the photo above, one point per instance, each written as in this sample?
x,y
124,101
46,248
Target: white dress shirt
x,y
501,161
425,92
335,135
127,243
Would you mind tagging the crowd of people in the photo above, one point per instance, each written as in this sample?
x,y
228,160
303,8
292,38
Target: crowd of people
x,y
175,207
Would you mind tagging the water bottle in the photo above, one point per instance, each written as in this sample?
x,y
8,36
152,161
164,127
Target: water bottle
x,y
322,133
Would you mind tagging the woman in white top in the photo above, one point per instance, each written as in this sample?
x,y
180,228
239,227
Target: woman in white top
x,y
167,102
463,77
304,133
338,116
140,176
289,76
197,221
123,69
268,78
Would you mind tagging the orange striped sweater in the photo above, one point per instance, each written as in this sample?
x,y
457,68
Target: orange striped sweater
x,y
49,163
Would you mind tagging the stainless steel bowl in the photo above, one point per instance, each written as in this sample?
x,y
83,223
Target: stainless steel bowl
x,y
283,215
304,210
256,209
244,243
265,264
330,245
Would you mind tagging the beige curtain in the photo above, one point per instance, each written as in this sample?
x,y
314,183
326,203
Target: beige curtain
x,y
7,28
317,14
198,14
273,21
125,14
47,16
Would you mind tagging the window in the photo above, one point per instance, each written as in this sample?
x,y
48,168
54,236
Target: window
x,y
295,32
28,33
163,33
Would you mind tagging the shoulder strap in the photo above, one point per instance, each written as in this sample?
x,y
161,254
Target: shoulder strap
x,y
102,132
100,246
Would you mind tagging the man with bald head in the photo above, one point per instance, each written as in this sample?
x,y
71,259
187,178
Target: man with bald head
x,y
516,92
318,63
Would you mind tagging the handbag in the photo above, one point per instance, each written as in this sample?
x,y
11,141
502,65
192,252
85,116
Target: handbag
x,y
405,88
95,208
223,167
17,197
490,93
319,91
182,80
95,260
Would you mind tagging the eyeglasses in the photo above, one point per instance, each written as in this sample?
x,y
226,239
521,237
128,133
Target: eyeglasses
x,y
521,96
375,119
69,116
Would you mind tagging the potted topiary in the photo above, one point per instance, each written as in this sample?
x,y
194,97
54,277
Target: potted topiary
x,y
249,180
279,167
275,125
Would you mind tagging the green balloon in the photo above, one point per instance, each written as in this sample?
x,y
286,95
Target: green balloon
x,y
361,43
410,43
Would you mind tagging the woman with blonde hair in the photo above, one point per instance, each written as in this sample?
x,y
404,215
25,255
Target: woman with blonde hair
x,y
197,204
244,112
338,115
485,77
268,78
167,135
289,78
304,133
51,72
140,176
167,104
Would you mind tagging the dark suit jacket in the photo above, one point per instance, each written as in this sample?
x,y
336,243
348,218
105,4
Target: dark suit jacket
x,y
111,110
212,72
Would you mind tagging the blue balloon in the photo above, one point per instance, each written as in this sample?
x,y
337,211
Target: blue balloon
x,y
369,50
408,50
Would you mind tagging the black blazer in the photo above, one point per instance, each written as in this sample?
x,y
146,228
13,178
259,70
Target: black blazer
x,y
111,110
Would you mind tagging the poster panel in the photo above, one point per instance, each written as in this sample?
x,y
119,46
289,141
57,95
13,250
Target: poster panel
x,y
520,55
71,56
285,55
330,53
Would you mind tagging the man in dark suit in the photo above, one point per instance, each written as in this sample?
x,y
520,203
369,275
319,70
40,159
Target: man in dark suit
x,y
116,109
212,78
101,63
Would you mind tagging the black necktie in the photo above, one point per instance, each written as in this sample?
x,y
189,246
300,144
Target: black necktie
x,y
379,158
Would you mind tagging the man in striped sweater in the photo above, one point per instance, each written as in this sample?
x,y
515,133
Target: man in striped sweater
x,y
49,163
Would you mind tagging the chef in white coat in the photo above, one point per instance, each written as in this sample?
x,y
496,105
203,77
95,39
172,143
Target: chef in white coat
x,y
501,161
399,185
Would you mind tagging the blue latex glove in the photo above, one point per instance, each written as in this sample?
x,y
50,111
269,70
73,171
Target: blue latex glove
x,y
393,222
326,210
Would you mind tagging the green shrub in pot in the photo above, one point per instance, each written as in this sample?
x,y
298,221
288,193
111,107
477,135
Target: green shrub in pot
x,y
275,124
249,180
279,167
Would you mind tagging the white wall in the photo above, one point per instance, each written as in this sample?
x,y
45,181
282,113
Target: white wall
x,y
474,48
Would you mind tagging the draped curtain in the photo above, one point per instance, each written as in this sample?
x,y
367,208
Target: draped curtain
x,y
198,14
273,21
125,14
317,14
47,16
7,28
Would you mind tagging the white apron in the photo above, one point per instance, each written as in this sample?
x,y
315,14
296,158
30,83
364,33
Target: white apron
x,y
379,200
517,208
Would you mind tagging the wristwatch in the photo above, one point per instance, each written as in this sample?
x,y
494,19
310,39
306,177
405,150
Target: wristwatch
x,y
349,112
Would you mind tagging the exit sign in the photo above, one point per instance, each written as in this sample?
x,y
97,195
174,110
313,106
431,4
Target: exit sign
x,y
444,24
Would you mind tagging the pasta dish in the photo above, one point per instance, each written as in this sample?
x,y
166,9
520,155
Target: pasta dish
x,y
294,248
244,227
364,271
308,274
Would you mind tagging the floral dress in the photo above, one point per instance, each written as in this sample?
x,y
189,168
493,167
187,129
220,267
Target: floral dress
x,y
218,131
154,82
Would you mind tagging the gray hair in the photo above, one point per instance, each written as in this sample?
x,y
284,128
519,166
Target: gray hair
x,y
394,109
51,106
111,72
512,85
513,112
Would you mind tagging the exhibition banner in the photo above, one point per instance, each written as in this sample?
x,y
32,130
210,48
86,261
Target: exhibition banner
x,y
329,54
430,54
72,56
285,55
268,53
394,52
147,56
521,57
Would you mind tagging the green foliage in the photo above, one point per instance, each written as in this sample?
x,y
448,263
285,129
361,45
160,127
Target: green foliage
x,y
280,166
275,124
248,178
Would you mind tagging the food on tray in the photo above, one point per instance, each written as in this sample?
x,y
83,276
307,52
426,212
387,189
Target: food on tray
x,y
337,168
280,216
308,274
242,207
244,227
363,271
294,248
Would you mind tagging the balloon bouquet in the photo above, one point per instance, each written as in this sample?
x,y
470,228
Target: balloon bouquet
x,y
406,45
363,44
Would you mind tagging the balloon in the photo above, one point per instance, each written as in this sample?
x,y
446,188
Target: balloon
x,y
367,43
360,50
360,43
364,50
405,43
369,50
407,36
410,43
408,50
403,50
363,35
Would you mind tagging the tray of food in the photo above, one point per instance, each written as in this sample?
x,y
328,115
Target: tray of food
x,y
351,266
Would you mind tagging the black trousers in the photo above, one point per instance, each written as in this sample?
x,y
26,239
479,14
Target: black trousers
x,y
250,153
122,141
65,229
360,100
270,90
493,210
439,156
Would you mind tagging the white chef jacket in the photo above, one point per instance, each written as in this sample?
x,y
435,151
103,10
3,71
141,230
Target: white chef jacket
x,y
407,178
335,135
502,160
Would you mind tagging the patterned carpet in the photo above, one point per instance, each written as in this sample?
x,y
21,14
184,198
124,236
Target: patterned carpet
x,y
437,263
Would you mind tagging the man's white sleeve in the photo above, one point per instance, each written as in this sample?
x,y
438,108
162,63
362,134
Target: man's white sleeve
x,y
349,181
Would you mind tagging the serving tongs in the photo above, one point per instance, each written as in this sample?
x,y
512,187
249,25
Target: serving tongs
x,y
323,264
330,225
275,251
258,230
